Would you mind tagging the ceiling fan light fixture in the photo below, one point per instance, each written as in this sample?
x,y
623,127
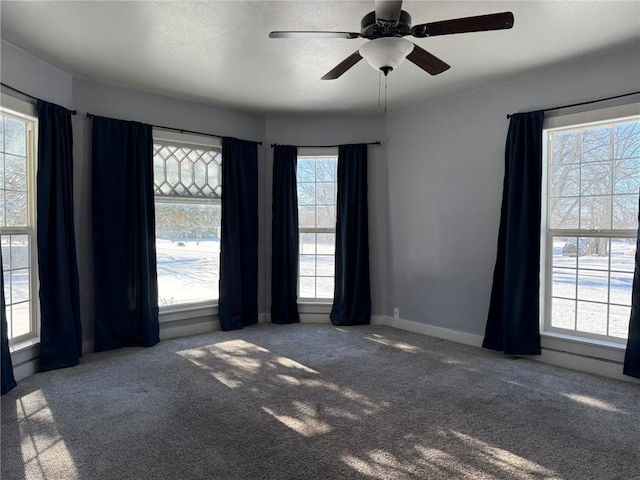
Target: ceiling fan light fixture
x,y
386,53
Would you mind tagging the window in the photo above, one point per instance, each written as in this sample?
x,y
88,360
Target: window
x,y
188,187
590,225
17,222
316,179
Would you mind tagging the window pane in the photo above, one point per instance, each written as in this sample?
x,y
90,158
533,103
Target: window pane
x,y
595,213
307,287
188,252
326,193
307,265
306,216
19,253
20,319
619,321
327,243
627,140
621,284
566,147
625,212
15,137
596,144
326,169
306,193
623,251
20,285
564,283
594,253
596,178
325,216
563,313
15,173
565,181
325,266
565,212
626,176
306,170
565,252
214,175
15,209
325,287
592,318
593,285
308,243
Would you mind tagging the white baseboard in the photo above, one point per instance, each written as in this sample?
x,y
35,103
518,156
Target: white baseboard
x,y
25,363
430,330
605,367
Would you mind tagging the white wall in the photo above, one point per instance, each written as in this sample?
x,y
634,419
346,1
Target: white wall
x,y
445,174
336,130
31,75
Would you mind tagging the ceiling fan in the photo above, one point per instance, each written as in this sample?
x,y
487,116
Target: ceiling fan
x,y
386,26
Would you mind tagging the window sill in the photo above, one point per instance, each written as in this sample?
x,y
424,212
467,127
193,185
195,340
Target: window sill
x,y
172,314
585,347
24,345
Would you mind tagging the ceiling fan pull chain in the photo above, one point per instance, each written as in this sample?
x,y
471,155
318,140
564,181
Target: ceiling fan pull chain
x,y
385,94
379,90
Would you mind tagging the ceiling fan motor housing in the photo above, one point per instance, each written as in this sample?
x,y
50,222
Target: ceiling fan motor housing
x,y
372,29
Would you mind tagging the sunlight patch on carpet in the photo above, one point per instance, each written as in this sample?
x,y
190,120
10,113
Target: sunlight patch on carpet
x,y
592,402
282,387
405,347
305,422
40,442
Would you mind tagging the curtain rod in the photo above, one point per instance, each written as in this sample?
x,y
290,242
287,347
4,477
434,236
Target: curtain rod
x,y
322,146
73,112
580,103
182,130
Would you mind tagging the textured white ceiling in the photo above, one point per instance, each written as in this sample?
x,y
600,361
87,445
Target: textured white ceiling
x,y
218,52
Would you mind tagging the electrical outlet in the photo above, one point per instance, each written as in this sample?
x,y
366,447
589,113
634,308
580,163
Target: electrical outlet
x,y
396,312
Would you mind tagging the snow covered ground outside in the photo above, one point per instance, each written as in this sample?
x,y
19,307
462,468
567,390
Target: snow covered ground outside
x,y
579,282
188,270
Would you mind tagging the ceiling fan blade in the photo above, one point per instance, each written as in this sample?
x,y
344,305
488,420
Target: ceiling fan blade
x,y
343,66
308,34
481,23
426,61
388,10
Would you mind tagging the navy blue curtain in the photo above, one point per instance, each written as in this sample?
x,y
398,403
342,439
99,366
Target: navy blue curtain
x,y
632,355
513,319
124,249
238,303
352,293
285,237
7,382
60,328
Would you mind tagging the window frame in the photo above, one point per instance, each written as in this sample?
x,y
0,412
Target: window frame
x,y
316,153
591,118
198,141
26,112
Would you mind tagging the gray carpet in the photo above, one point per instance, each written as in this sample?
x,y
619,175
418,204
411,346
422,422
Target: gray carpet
x,y
318,402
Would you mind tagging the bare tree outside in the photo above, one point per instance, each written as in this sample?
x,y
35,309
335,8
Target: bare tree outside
x,y
593,189
188,189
